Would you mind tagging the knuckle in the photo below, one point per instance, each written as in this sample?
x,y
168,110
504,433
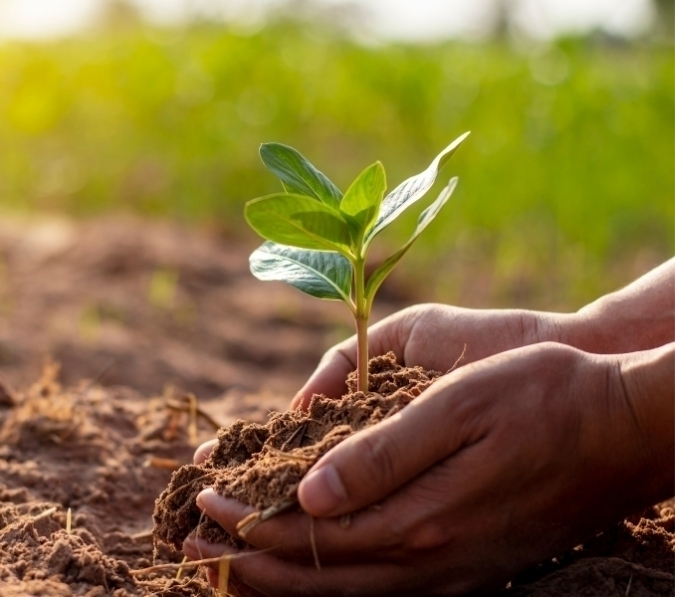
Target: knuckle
x,y
557,355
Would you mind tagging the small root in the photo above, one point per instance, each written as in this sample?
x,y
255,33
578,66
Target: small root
x,y
192,563
300,430
248,523
459,359
287,456
199,526
179,489
69,521
312,542
170,567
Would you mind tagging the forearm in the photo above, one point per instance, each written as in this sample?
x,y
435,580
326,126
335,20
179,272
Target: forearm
x,y
638,317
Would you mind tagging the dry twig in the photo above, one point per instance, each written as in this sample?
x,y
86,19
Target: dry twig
x,y
45,514
312,541
223,575
176,405
172,566
170,464
248,523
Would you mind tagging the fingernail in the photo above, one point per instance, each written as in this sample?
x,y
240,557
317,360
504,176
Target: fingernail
x,y
190,547
322,491
297,401
204,498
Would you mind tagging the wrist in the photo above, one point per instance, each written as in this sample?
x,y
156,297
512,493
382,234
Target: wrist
x,y
603,327
638,317
541,326
625,407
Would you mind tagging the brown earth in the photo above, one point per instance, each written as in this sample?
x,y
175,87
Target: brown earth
x,y
262,465
142,316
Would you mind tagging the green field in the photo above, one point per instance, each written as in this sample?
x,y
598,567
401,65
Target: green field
x,y
566,184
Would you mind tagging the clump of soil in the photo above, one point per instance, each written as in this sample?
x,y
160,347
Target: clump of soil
x,y
89,450
39,555
262,465
634,558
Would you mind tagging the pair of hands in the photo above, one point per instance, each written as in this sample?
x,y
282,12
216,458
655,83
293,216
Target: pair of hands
x,y
526,449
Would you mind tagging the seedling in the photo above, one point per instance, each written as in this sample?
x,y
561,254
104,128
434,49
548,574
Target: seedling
x,y
318,238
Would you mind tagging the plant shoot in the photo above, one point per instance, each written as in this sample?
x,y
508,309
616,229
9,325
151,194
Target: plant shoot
x,y
318,238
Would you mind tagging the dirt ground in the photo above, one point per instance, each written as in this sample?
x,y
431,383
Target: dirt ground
x,y
108,328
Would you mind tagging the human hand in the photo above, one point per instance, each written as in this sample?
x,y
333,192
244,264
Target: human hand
x,y
434,336
516,458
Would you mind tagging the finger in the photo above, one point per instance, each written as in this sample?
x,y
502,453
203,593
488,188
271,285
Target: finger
x,y
390,334
371,464
330,375
268,574
271,576
211,576
372,535
235,588
200,549
203,451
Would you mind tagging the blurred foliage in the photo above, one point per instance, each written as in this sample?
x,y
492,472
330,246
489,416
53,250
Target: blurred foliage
x,y
568,172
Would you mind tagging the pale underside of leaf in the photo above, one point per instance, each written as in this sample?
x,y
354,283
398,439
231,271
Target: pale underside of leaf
x,y
297,174
411,190
426,217
321,274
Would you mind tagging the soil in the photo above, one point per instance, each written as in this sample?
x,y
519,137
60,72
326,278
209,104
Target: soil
x,y
262,465
123,323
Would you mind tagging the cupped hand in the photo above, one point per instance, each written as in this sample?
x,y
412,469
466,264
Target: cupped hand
x,y
434,336
498,465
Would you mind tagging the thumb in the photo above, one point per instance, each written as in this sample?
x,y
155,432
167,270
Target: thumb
x,y
371,464
330,376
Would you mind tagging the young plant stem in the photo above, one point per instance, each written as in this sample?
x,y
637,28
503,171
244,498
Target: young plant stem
x,y
361,314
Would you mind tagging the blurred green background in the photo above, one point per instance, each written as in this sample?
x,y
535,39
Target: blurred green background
x,y
566,183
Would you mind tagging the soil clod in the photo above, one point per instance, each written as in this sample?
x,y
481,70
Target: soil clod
x,y
262,465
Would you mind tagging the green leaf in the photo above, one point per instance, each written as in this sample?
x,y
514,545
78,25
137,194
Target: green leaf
x,y
426,217
298,221
297,174
361,202
409,191
322,274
